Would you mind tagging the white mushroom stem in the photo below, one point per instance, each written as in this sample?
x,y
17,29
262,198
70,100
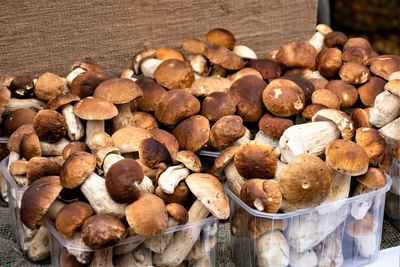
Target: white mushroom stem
x,y
391,129
54,149
203,262
317,40
140,257
127,248
244,139
366,245
307,258
74,124
15,104
279,166
340,189
110,160
272,249
148,66
94,189
184,240
82,256
329,251
102,258
3,187
73,74
233,177
244,52
124,119
159,243
394,76
39,247
262,138
27,235
54,208
202,247
146,185
94,126
360,207
171,177
386,108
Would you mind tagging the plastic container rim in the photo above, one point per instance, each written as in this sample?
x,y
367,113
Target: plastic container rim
x,y
9,178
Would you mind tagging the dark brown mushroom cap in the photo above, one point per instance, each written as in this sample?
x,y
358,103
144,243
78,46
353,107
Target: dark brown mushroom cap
x,y
373,178
39,167
224,57
384,65
364,227
95,108
305,182
192,133
85,83
346,157
273,126
222,37
17,118
118,90
37,199
76,168
178,212
310,110
152,94
335,39
356,50
167,139
373,144
30,146
329,61
268,68
14,142
346,92
226,131
122,180
21,86
49,125
5,96
264,195
152,153
218,104
370,90
297,55
175,106
180,195
147,216
255,161
61,100
102,230
174,74
305,85
283,98
354,73
247,93
71,217
73,147
48,86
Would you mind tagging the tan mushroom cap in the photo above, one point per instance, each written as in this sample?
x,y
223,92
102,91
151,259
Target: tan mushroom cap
x,y
283,98
364,227
354,73
73,147
297,55
384,65
17,118
128,139
5,96
167,139
39,167
147,216
118,90
340,118
224,57
98,139
346,92
95,108
30,146
357,50
310,110
269,69
144,120
263,195
103,152
164,53
86,65
180,195
226,131
373,178
189,159
393,86
18,167
76,168
192,133
305,182
245,72
222,37
326,97
223,159
178,212
71,217
174,74
50,126
373,143
48,86
208,85
335,39
346,157
85,83
329,61
194,46
13,143
273,126
37,199
102,230
360,118
152,153
210,192
61,100
152,94
306,85
255,161
218,104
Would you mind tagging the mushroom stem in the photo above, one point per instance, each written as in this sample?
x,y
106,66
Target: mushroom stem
x,y
235,180
53,149
110,160
203,262
140,257
272,249
202,247
329,251
15,104
171,177
385,109
158,244
146,185
93,126
391,129
54,208
317,40
39,248
74,73
74,124
102,258
3,187
366,244
340,189
13,156
124,119
306,258
360,207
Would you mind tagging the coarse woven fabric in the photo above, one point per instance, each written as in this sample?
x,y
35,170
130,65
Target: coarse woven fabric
x,y
43,35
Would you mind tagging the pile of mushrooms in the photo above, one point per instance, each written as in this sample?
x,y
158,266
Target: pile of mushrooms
x,y
294,129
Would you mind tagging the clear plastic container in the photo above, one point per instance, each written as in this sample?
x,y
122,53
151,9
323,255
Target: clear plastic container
x,y
134,250
392,206
327,235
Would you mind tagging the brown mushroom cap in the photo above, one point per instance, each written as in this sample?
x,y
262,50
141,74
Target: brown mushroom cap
x,y
335,39
174,74
76,168
273,126
30,146
364,227
283,98
71,217
346,157
39,167
164,53
245,72
175,106
147,216
21,86
329,61
18,167
128,139
347,93
297,55
207,85
268,68
152,153
49,125
48,86
327,98
85,83
223,159
354,73
360,118
247,93
192,133
178,212
95,108
101,230
223,57
98,139
118,90
37,199
357,50
384,65
122,180
340,118
17,118
255,161
370,90
310,110
264,195
14,142
373,178
73,147
218,104
180,195
194,46
152,94
167,139
5,96
373,143
144,120
61,100
222,37
305,85
226,131
393,86
305,182
189,159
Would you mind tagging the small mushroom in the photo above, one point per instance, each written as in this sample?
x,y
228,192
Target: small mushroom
x,y
269,69
222,37
48,86
192,133
76,169
226,131
164,53
140,57
369,90
21,86
128,140
152,94
360,118
189,159
272,249
245,72
373,143
326,98
335,39
244,52
346,92
354,73
297,55
357,50
222,56
264,195
38,167
208,85
341,119
174,74
50,126
171,177
273,126
329,62
383,66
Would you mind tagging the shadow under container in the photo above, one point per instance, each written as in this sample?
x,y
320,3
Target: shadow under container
x,y
327,235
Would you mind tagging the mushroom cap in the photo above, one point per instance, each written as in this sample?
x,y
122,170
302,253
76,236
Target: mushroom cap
x,y
329,61
102,230
335,39
245,72
164,53
152,94
283,98
98,139
356,50
273,126
194,46
48,86
384,65
14,142
224,57
178,212
305,85
122,180
144,120
226,131
18,167
73,147
220,36
364,227
61,100
85,83
354,73
305,182
326,97
174,74
152,153
71,217
210,192
208,85
103,152
393,86
189,159
5,96
147,216
128,139
180,195
264,195
37,199
95,108
269,69
360,118
175,106
223,159
310,110
297,55
346,92
340,118
17,118
76,168
373,144
192,133
255,161
167,139
346,157
49,125
21,86
118,90
39,167
374,178
247,93
217,105
30,146
86,65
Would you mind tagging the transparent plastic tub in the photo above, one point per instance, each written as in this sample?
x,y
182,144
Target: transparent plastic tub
x,y
134,250
392,206
327,235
